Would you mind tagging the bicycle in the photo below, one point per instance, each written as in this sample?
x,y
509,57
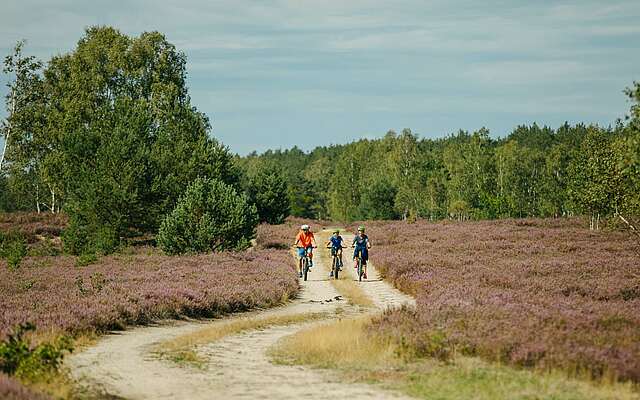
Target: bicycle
x,y
335,261
360,265
306,261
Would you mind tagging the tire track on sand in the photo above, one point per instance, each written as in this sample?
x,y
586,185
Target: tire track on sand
x,y
121,364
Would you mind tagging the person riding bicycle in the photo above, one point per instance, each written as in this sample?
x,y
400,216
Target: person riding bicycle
x,y
362,245
335,244
305,241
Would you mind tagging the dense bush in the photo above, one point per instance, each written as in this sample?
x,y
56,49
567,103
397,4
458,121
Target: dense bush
x,y
211,216
537,293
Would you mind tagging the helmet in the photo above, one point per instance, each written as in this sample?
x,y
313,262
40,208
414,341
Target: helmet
x,y
305,227
361,228
336,231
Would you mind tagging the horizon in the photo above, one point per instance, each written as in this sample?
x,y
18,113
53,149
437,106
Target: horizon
x,y
279,74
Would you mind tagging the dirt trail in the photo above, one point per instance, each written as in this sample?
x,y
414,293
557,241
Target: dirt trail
x,y
238,367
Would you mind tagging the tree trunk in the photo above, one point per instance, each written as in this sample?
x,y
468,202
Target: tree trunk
x,y
38,198
6,138
631,226
53,200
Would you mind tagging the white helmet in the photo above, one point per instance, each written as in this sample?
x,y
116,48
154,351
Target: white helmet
x,y
305,227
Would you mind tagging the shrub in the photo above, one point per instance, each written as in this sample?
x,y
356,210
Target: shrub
x,y
83,237
18,357
13,248
211,216
86,259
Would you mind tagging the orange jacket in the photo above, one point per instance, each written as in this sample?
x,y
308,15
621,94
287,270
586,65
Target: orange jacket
x,y
305,239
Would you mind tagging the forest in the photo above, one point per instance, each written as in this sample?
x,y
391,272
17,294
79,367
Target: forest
x,y
533,172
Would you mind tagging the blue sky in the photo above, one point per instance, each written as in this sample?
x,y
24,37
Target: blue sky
x,y
274,74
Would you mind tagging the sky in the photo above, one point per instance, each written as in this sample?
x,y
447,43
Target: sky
x,y
278,74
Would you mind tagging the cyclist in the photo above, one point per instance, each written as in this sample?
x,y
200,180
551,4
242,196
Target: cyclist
x,y
362,245
305,241
335,243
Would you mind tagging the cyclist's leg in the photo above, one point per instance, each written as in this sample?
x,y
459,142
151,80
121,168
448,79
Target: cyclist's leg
x,y
300,256
365,261
339,255
333,261
310,253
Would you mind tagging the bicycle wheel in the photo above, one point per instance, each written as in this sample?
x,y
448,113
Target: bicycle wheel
x,y
360,269
305,267
335,267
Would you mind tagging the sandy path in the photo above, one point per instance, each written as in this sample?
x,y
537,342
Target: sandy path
x,y
382,293
238,367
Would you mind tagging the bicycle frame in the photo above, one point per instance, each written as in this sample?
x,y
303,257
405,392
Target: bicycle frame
x,y
336,256
306,260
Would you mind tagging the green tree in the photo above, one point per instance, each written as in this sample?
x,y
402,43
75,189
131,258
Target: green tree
x,y
268,191
405,164
211,216
378,201
113,134
347,185
595,186
469,162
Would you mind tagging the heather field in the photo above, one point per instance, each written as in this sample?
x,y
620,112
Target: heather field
x,y
131,289
32,225
536,293
137,286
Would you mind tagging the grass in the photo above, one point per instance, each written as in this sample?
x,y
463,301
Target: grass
x,y
346,346
348,288
181,349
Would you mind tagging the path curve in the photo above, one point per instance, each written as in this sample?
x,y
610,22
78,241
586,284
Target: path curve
x,y
122,365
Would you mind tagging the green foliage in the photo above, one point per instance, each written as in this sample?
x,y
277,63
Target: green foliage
x,y
13,248
597,187
86,259
268,190
86,234
20,358
378,201
108,132
534,172
211,216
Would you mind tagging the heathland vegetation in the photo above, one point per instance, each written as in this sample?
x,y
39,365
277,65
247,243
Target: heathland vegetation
x,y
532,293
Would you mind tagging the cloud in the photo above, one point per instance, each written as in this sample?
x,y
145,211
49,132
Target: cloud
x,y
261,65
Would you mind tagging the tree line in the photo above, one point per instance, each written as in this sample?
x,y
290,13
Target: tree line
x,y
107,133
535,171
